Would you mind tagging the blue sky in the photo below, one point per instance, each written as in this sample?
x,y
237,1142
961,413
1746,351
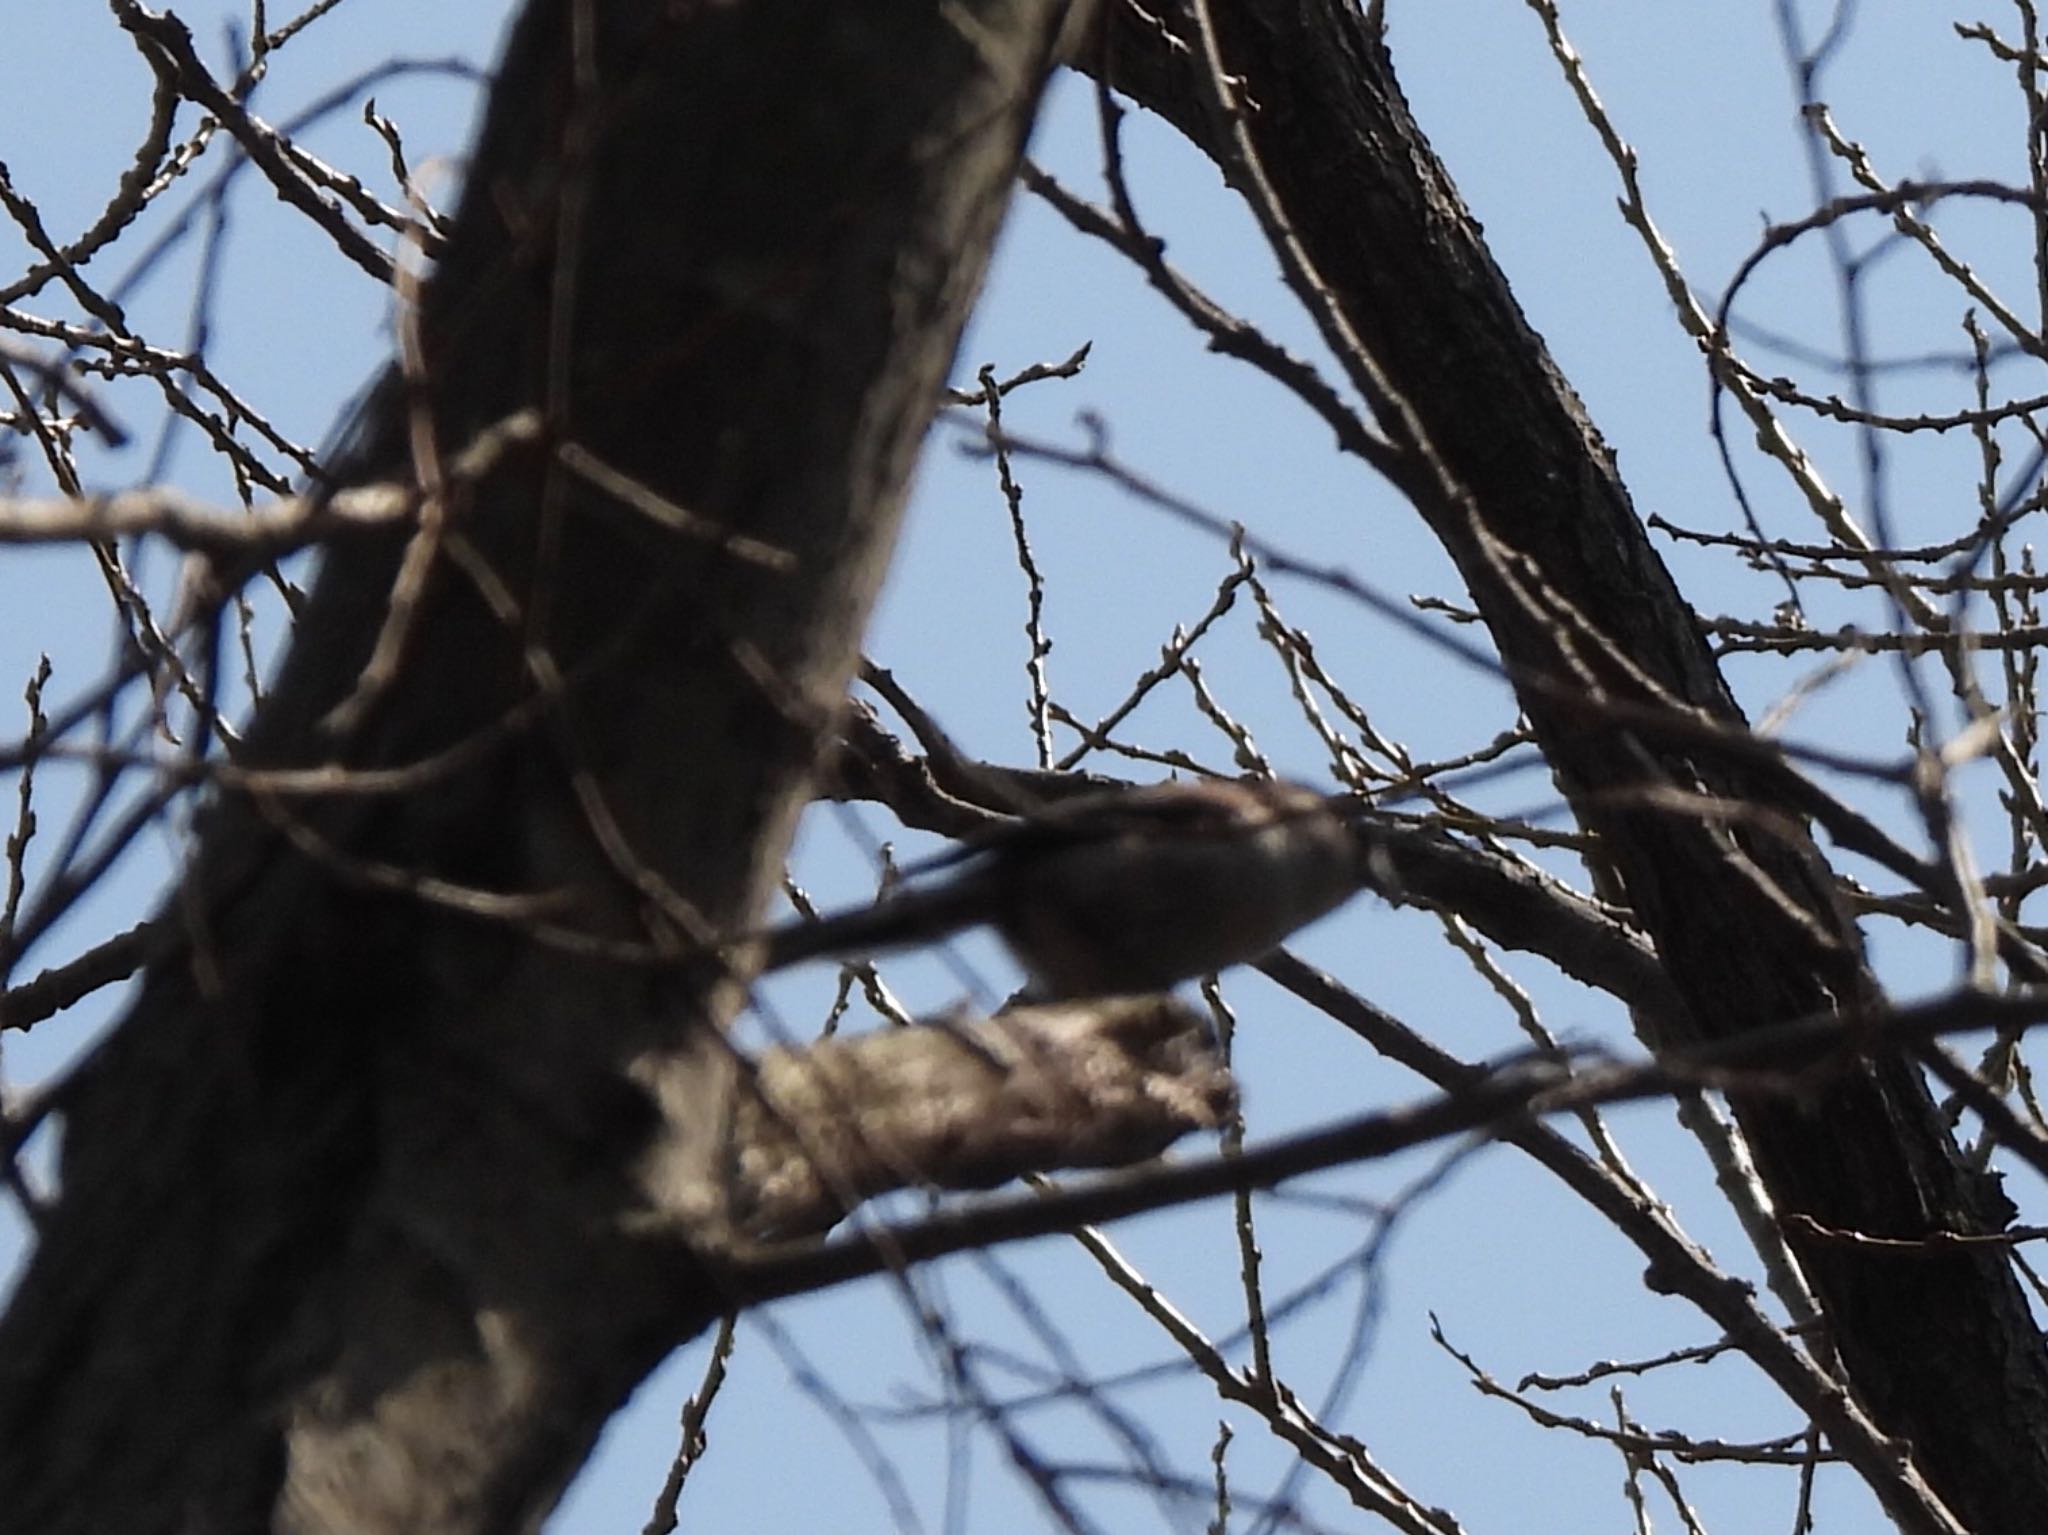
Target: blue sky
x,y
1518,1274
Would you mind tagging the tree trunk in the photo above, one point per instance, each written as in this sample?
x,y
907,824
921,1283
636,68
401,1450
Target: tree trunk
x,y
1594,634
386,1192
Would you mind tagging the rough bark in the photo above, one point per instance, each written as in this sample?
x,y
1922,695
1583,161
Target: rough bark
x,y
1590,625
390,1187
1102,1083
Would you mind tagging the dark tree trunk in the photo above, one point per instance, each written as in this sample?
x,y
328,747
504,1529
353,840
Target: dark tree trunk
x,y
386,1192
1590,625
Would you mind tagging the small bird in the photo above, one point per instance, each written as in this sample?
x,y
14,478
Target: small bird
x,y
1122,892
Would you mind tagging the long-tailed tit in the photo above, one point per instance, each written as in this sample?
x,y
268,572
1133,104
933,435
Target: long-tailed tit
x,y
1124,892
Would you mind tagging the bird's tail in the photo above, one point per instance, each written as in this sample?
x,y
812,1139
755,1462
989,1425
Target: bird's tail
x,y
903,920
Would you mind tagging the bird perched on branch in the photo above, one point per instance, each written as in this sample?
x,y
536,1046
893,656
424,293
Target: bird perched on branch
x,y
1122,892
